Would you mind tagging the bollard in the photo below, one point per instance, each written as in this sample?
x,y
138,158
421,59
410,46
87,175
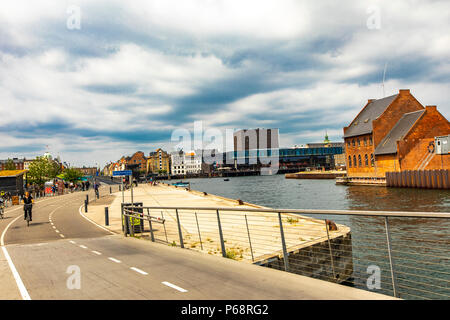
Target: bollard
x,y
87,198
106,216
110,190
85,206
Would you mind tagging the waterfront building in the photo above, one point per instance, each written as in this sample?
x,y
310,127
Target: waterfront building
x,y
18,163
392,134
255,139
137,162
88,171
177,163
193,163
158,162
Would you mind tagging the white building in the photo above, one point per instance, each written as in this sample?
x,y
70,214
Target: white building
x,y
186,163
193,163
177,163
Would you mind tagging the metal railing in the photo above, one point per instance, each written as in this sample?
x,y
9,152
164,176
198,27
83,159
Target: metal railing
x,y
402,254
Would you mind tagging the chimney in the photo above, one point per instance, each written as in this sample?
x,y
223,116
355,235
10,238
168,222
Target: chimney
x,y
403,91
430,108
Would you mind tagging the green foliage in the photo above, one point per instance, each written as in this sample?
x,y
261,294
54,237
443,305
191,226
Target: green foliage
x,y
173,244
42,170
10,165
291,220
72,174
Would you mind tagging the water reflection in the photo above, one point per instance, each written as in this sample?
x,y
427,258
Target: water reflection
x,y
397,199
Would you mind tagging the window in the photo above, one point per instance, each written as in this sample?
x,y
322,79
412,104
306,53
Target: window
x,y
365,142
370,140
353,142
359,161
359,143
350,161
372,160
366,160
354,161
348,143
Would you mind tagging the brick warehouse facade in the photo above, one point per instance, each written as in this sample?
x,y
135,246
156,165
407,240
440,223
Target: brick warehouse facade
x,y
138,161
394,134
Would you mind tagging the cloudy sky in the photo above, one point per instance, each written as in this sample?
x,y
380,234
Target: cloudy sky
x,y
97,79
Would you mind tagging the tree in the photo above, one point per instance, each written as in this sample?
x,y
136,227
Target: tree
x,y
10,165
42,170
72,174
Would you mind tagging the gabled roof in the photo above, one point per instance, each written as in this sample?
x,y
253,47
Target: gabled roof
x,y
389,143
363,122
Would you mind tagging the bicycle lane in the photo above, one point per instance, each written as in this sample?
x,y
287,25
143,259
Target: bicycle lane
x,y
9,279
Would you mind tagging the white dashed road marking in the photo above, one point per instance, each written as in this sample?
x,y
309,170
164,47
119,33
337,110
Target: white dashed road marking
x,y
115,260
72,242
96,252
139,270
82,246
61,235
174,286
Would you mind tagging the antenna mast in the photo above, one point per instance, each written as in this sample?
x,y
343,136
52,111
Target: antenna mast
x,y
384,77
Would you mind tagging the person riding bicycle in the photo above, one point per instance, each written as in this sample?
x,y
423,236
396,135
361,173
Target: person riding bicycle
x,y
96,185
28,206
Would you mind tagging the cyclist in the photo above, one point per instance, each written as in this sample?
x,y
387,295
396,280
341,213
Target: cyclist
x,y
28,206
96,186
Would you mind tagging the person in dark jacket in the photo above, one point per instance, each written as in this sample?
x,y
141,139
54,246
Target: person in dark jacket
x,y
28,206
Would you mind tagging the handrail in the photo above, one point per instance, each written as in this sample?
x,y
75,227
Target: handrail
x,y
403,214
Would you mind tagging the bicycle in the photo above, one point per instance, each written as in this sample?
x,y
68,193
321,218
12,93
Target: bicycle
x,y
2,210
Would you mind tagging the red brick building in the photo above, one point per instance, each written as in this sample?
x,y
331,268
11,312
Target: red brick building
x,y
138,161
18,163
394,134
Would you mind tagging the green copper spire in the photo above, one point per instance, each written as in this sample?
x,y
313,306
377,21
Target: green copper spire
x,y
326,138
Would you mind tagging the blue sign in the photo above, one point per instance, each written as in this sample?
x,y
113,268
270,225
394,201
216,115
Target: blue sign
x,y
122,173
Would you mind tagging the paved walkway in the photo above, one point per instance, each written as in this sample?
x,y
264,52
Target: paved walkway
x,y
200,228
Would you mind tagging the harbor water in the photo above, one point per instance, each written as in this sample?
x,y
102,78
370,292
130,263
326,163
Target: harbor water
x,y
420,247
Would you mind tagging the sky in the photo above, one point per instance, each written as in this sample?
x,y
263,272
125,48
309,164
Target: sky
x,y
91,81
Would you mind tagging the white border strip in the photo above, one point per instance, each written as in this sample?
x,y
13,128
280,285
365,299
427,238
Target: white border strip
x,y
81,213
139,271
174,286
19,282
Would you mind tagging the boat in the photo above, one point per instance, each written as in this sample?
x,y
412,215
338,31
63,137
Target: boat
x,y
181,184
226,179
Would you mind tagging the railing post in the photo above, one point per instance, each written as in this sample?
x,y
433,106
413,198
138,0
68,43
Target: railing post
x,y
130,223
179,229
106,216
249,240
198,228
150,224
283,243
329,248
164,224
222,243
85,206
388,240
